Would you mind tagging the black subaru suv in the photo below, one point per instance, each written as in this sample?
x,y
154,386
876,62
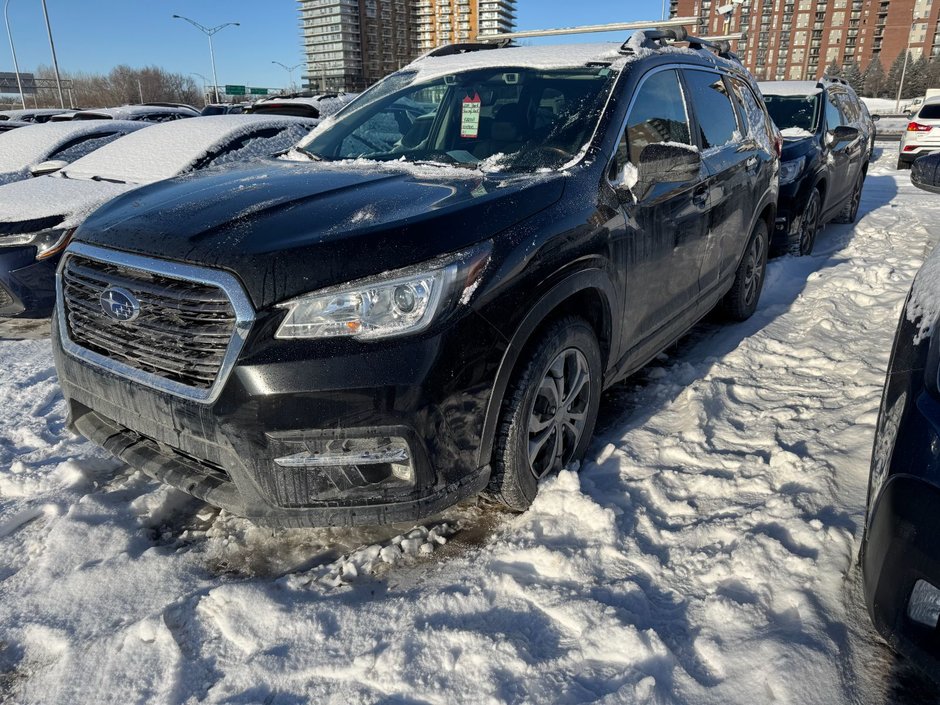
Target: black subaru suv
x,y
827,140
424,299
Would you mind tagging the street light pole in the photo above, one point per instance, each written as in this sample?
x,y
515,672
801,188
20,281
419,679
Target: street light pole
x,y
907,53
290,71
209,31
16,68
55,61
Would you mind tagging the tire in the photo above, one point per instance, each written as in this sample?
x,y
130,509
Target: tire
x,y
849,212
740,302
803,241
903,164
569,348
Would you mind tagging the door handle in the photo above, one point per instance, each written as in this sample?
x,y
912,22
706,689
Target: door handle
x,y
700,196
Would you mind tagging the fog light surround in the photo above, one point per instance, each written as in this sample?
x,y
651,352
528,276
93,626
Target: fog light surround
x,y
924,604
323,469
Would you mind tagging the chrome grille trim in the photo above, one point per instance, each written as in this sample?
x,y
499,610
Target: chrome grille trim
x,y
233,340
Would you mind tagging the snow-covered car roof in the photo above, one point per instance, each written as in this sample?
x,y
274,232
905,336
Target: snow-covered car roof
x,y
133,112
325,104
167,149
30,114
34,143
555,56
786,88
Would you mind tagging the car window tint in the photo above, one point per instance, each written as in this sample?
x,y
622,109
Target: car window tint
x,y
658,115
834,117
257,145
930,112
717,123
758,125
848,109
82,146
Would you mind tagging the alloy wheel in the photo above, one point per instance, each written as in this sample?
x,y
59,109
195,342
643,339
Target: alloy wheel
x,y
754,272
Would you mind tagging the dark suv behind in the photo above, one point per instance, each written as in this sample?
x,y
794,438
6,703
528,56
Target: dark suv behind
x,y
827,140
425,299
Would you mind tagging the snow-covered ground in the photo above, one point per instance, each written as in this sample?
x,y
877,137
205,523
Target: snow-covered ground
x,y
704,553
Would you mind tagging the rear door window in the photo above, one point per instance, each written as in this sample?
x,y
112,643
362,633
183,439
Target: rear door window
x,y
930,112
834,116
658,115
714,113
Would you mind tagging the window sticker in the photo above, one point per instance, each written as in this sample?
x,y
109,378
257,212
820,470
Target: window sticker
x,y
470,117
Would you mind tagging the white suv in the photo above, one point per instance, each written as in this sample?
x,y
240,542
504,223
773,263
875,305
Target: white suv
x,y
922,134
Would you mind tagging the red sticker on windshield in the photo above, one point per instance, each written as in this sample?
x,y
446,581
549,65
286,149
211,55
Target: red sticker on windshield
x,y
470,117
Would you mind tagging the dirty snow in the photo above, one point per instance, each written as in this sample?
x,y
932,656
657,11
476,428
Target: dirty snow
x,y
699,557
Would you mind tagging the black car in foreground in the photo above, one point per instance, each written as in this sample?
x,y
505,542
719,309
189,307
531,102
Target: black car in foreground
x,y
827,141
900,554
425,299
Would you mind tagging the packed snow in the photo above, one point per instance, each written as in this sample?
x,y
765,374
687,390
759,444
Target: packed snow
x,y
699,557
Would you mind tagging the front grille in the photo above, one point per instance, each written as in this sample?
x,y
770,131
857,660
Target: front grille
x,y
181,334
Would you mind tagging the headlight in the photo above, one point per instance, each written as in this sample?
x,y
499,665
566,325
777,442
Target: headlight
x,y
47,242
790,170
397,303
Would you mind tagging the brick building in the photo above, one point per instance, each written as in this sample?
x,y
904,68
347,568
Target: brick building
x,y
798,39
453,21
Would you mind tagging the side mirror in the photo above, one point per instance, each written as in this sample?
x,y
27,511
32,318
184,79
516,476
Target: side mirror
x,y
875,118
667,163
843,133
49,167
925,172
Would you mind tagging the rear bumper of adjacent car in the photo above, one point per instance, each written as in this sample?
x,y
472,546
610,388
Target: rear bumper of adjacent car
x,y
27,286
285,397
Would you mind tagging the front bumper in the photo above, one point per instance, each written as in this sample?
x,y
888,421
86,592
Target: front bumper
x,y
430,390
27,286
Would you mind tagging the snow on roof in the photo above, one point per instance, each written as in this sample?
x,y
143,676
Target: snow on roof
x,y
28,113
167,149
550,56
126,112
325,104
786,88
34,143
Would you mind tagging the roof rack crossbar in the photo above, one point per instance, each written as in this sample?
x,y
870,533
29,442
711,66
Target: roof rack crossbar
x,y
661,38
587,29
464,48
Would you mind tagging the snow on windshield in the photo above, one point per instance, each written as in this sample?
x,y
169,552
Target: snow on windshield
x,y
30,145
170,148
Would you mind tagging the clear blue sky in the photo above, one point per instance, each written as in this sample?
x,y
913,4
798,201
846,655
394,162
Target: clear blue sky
x,y
96,35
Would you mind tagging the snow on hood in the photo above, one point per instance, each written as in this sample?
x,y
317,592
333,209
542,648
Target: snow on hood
x,y
168,149
789,88
33,144
795,133
48,196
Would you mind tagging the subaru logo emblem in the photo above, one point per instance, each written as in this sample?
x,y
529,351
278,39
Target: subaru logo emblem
x,y
119,304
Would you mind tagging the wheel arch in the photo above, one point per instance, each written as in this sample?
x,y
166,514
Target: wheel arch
x,y
589,294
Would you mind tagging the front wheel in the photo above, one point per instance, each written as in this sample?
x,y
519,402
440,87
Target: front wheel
x,y
741,301
549,411
805,238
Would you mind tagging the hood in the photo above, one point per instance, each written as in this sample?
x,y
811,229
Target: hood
x,y
287,228
49,196
795,147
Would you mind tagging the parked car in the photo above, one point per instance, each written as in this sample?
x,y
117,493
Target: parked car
x,y
39,216
310,106
394,317
827,146
900,558
43,149
8,125
922,135
31,114
147,113
224,109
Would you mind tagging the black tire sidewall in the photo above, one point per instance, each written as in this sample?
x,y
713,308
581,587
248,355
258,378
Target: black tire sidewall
x,y
513,482
734,305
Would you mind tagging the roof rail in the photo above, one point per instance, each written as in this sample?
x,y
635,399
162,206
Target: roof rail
x,y
587,29
661,38
833,79
464,48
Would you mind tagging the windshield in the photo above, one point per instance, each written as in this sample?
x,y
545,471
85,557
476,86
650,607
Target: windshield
x,y
519,119
789,111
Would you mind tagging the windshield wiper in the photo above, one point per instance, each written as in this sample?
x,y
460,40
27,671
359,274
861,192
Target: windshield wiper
x,y
110,181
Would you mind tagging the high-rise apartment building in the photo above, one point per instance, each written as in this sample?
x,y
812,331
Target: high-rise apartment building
x,y
798,39
440,22
350,44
